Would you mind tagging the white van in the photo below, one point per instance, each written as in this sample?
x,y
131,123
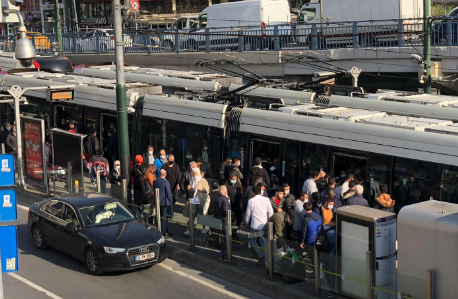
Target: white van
x,y
255,18
180,25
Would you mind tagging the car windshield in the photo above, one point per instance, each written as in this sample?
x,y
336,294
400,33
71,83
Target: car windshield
x,y
105,214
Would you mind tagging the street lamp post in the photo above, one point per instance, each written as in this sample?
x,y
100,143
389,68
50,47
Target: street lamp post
x,y
121,92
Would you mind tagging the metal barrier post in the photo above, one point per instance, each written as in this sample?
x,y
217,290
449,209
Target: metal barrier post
x,y
148,43
98,182
369,274
54,177
229,236
400,30
192,245
276,39
3,148
97,43
207,40
270,240
429,284
241,41
314,44
124,190
69,177
316,263
449,33
158,211
177,42
75,48
355,35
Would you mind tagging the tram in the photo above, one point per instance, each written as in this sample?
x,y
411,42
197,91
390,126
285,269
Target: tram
x,y
410,142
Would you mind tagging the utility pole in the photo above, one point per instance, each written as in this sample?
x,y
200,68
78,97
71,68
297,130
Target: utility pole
x,y
121,93
58,28
427,45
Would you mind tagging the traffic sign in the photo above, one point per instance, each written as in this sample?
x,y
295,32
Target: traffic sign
x,y
7,170
8,248
135,5
8,207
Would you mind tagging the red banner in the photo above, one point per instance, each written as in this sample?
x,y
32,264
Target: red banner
x,y
33,149
27,5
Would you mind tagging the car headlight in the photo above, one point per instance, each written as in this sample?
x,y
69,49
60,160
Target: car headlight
x,y
161,240
113,249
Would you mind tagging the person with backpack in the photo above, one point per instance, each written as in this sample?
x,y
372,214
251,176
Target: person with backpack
x,y
136,173
100,165
258,171
325,244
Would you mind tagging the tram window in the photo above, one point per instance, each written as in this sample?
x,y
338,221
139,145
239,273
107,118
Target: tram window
x,y
237,148
90,120
379,173
449,184
290,153
189,141
420,178
314,157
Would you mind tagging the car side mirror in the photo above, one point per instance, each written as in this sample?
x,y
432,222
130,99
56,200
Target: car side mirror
x,y
72,226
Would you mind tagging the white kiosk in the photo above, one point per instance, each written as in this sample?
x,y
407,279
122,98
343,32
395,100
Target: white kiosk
x,y
361,230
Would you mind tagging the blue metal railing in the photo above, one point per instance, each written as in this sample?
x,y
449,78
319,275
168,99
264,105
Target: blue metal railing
x,y
299,36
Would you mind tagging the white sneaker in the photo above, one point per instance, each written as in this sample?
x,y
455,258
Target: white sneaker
x,y
186,232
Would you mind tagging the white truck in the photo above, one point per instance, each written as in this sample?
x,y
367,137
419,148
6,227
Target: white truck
x,y
253,20
328,16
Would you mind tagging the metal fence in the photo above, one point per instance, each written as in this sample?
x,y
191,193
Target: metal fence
x,y
381,33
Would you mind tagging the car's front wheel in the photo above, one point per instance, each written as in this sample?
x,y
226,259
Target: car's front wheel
x,y
38,237
92,262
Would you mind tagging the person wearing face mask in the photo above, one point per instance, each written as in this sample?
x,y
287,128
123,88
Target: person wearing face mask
x,y
115,175
11,142
235,168
197,192
161,160
173,176
205,155
278,200
327,210
299,214
62,125
150,159
235,193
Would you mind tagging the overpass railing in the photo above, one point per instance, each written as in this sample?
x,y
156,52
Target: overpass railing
x,y
361,34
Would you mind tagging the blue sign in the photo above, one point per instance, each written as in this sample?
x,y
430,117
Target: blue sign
x,y
8,207
7,170
8,248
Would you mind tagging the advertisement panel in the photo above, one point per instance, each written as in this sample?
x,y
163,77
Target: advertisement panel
x,y
33,141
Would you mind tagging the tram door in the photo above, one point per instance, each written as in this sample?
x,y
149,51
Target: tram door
x,y
266,150
343,162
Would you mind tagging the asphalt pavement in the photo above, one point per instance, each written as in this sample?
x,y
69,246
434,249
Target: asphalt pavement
x,y
51,274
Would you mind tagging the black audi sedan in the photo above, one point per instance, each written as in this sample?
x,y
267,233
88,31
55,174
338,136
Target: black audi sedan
x,y
96,229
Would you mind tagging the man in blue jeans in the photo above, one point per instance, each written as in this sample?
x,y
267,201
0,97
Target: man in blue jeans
x,y
258,212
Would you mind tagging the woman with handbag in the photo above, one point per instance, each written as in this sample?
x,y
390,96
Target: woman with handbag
x,y
197,193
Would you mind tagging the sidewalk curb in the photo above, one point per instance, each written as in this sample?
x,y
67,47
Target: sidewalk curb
x,y
260,285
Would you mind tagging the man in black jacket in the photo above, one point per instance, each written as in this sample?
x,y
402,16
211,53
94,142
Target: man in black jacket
x,y
186,179
258,171
11,142
173,176
218,208
235,193
92,147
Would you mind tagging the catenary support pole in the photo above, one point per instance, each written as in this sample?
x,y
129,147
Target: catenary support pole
x,y
427,45
121,92
58,28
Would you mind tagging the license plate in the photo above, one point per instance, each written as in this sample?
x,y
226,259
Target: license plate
x,y
144,257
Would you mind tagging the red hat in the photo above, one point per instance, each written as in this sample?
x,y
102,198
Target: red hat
x,y
138,159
